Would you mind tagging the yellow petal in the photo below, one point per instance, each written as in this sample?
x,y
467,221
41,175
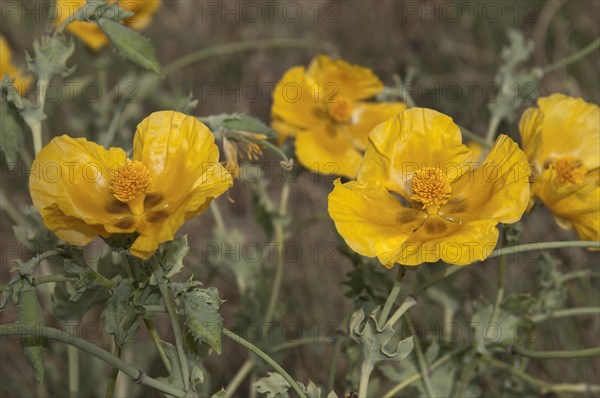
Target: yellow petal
x,y
574,206
143,11
454,243
284,130
294,101
371,220
497,189
183,159
530,127
571,127
414,139
70,187
328,151
21,82
351,81
367,115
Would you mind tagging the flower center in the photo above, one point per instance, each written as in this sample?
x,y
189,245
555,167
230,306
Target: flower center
x,y
130,183
340,109
430,187
568,170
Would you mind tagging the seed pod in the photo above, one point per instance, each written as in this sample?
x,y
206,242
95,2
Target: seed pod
x,y
30,317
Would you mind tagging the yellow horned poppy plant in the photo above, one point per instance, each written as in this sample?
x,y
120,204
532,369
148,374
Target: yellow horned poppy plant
x,y
83,190
90,33
420,196
8,68
561,137
324,107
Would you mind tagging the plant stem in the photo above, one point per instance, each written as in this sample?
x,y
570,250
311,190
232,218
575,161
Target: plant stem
x,y
408,303
158,343
504,251
73,361
171,310
566,313
296,343
578,274
418,376
593,46
423,366
563,354
334,364
239,378
216,212
59,335
112,381
542,385
230,48
234,337
35,124
365,374
40,280
389,303
500,290
474,137
492,128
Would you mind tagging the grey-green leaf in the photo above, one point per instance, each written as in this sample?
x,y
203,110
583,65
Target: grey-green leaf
x,y
202,316
11,133
120,315
50,56
273,386
29,314
132,45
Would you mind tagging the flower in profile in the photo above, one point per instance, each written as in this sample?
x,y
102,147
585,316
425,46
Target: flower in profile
x,y
21,82
83,190
561,138
324,107
90,33
420,197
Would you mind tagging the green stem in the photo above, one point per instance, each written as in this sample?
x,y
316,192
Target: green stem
x,y
504,251
474,137
564,354
334,364
423,366
285,193
492,128
239,378
230,48
542,385
593,46
296,343
408,303
578,274
40,280
35,124
566,313
389,303
14,214
73,361
500,290
465,377
59,335
261,354
112,381
418,376
365,375
275,149
216,212
171,310
158,343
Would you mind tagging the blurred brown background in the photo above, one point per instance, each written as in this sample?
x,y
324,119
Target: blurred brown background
x,y
454,46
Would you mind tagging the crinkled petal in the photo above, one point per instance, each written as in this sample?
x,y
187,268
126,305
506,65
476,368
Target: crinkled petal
x,y
351,81
295,103
530,127
370,219
497,189
414,139
439,239
183,159
571,127
70,187
574,206
328,150
367,115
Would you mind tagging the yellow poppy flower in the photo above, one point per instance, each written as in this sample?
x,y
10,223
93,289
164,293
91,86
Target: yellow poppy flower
x,y
83,190
90,33
324,107
561,138
419,196
21,82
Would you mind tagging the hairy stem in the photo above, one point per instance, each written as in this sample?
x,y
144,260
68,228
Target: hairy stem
x,y
59,335
261,354
389,303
